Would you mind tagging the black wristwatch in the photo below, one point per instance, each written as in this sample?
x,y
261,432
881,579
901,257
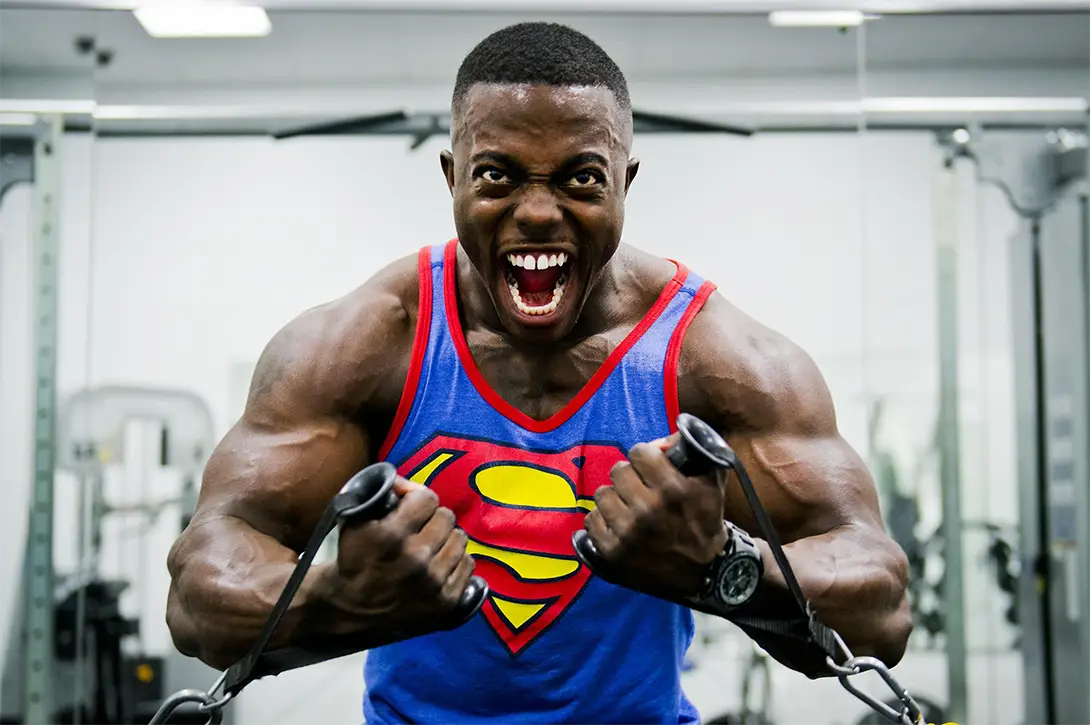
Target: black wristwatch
x,y
734,575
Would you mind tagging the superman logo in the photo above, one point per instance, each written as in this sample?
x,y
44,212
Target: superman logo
x,y
519,509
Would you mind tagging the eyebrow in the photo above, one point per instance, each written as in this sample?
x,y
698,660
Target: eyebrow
x,y
588,157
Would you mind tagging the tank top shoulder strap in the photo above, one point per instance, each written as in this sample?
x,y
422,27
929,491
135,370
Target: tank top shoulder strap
x,y
429,329
687,303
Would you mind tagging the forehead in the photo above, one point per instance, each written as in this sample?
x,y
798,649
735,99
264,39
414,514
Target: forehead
x,y
547,119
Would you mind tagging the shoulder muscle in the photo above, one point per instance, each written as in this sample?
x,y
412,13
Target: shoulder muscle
x,y
747,377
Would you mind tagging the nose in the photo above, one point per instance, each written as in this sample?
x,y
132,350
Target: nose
x,y
538,213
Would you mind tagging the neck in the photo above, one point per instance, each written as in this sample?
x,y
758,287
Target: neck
x,y
603,310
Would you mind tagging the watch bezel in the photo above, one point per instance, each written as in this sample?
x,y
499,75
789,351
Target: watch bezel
x,y
724,582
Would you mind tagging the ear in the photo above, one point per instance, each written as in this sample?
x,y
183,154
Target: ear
x,y
630,173
446,160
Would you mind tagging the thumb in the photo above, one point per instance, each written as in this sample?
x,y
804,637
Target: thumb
x,y
403,486
664,443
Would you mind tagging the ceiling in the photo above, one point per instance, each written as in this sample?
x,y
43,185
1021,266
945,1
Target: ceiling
x,y
365,47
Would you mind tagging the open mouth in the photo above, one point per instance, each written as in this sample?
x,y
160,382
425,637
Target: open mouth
x,y
537,281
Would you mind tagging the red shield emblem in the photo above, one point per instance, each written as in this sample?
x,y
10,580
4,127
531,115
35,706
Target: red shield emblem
x,y
519,510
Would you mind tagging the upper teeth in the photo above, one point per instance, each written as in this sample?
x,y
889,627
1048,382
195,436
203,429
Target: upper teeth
x,y
540,261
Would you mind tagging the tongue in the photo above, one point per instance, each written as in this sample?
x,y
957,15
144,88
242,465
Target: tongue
x,y
536,280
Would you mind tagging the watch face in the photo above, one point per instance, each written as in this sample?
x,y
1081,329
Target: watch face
x,y
739,580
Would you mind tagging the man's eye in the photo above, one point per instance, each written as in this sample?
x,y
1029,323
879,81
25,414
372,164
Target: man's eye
x,y
585,178
493,175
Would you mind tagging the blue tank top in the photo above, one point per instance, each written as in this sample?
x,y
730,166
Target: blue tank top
x,y
553,644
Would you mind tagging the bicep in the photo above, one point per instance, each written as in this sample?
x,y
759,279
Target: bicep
x,y
279,479
810,483
770,401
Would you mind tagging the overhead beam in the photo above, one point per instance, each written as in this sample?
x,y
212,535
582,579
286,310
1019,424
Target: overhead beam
x,y
674,7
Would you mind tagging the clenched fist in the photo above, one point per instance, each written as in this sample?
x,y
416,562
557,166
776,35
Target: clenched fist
x,y
657,529
404,571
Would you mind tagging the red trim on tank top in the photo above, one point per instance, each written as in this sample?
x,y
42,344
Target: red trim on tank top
x,y
454,322
416,359
673,352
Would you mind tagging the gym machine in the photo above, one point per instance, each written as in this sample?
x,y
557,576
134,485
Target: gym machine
x,y
1044,179
97,675
33,156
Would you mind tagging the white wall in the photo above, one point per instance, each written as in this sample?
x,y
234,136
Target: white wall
x,y
197,250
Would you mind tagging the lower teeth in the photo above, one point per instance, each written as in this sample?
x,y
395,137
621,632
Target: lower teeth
x,y
558,294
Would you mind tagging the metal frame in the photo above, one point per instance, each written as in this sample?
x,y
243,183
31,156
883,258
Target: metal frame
x,y
38,590
40,584
947,441
1045,182
699,7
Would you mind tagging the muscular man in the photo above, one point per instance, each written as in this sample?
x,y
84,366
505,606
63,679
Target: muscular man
x,y
522,379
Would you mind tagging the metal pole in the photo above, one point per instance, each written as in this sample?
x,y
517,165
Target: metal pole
x,y
949,443
38,589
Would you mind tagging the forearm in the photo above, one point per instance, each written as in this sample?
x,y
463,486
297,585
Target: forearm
x,y
225,584
855,579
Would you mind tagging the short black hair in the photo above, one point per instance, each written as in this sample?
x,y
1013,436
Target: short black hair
x,y
540,53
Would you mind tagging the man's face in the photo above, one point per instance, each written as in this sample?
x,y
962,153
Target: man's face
x,y
539,176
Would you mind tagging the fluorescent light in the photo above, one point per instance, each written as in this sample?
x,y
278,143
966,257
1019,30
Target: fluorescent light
x,y
815,18
43,106
203,21
18,119
955,104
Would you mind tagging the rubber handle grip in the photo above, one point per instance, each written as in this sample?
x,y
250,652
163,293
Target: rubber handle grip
x,y
588,554
472,600
369,496
700,449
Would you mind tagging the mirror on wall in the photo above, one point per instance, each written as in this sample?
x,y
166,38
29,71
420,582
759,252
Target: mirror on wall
x,y
979,132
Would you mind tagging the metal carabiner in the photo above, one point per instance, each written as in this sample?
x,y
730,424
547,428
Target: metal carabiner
x,y
206,703
910,712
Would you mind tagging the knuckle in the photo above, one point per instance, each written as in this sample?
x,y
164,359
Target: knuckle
x,y
673,490
640,452
386,538
619,468
611,548
623,529
446,517
424,498
418,557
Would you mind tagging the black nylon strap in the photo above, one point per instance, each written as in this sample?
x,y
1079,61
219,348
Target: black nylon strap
x,y
243,672
367,496
807,626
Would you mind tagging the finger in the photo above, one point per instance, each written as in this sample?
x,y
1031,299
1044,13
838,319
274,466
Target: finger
x,y
631,488
413,511
458,580
447,555
623,474
664,443
611,509
605,541
403,486
652,465
435,533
